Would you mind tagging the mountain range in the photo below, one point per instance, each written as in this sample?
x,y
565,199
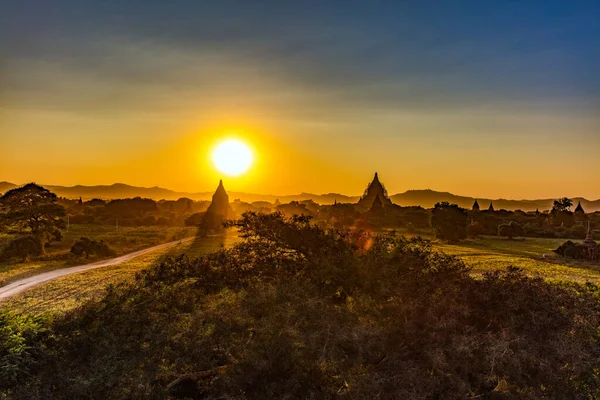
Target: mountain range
x,y
424,198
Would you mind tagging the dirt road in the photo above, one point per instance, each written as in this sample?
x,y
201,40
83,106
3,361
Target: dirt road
x,y
26,283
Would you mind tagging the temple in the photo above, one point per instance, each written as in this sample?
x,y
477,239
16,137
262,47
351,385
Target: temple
x,y
475,206
375,193
579,209
220,202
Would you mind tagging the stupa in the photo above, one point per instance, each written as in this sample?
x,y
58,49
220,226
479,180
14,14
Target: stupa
x,y
375,192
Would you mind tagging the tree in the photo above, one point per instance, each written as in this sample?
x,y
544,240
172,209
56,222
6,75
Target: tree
x,y
23,247
449,221
511,230
32,207
87,247
561,205
475,229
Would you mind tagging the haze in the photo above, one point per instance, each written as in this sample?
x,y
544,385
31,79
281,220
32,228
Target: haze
x,y
482,100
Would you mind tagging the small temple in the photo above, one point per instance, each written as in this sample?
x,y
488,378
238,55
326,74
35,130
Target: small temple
x,y
475,206
491,207
375,196
579,209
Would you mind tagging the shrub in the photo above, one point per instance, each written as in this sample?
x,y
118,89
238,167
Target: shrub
x,y
449,221
298,311
410,228
475,229
23,247
511,230
163,221
21,338
571,250
87,247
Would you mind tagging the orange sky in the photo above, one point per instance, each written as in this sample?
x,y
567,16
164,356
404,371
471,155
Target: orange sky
x,y
98,94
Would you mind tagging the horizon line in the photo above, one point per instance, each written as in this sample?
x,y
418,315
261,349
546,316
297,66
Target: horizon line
x,y
301,193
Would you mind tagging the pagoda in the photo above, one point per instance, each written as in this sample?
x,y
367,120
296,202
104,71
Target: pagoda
x,y
220,202
579,209
375,193
475,206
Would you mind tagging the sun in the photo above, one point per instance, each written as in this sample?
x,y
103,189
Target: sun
x,y
232,157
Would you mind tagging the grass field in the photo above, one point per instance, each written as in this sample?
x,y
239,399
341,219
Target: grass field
x,y
491,253
66,293
126,240
482,254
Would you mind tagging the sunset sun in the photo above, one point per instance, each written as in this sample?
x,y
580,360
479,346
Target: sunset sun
x,y
232,157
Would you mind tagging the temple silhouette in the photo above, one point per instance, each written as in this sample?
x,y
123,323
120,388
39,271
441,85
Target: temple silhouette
x,y
375,195
220,203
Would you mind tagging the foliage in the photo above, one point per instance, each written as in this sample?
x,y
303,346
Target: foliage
x,y
561,205
135,207
194,219
21,341
475,229
449,221
31,207
87,247
571,250
511,230
298,311
23,247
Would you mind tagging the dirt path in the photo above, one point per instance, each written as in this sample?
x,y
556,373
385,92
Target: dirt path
x,y
26,283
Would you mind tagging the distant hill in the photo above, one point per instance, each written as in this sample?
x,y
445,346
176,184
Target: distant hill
x,y
6,186
428,198
424,198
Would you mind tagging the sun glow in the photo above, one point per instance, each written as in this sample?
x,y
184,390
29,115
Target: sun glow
x,y
232,157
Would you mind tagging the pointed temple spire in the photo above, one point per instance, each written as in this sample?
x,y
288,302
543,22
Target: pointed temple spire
x,y
476,206
220,201
491,207
374,191
579,209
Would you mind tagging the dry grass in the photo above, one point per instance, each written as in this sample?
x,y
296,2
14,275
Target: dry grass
x,y
126,240
68,292
482,254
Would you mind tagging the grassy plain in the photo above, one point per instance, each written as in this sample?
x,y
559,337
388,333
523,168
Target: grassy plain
x,y
66,293
125,240
533,255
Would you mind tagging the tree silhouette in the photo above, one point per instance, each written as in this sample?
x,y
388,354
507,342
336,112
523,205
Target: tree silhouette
x,y
449,221
31,207
563,204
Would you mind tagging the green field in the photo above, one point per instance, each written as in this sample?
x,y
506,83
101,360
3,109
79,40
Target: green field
x,y
125,240
482,255
68,292
492,253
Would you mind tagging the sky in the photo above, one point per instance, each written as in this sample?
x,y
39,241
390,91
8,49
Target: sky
x,y
487,99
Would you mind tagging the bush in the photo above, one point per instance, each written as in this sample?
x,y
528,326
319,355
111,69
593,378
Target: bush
x,y
20,339
449,221
194,219
162,221
511,230
572,250
87,247
23,247
475,229
298,311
